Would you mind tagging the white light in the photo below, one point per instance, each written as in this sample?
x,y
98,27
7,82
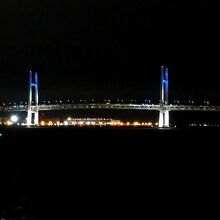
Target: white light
x,y
14,118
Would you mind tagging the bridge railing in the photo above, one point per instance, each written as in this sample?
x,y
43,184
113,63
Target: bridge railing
x,y
111,106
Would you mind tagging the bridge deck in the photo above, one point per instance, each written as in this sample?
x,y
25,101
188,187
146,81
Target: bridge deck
x,y
111,106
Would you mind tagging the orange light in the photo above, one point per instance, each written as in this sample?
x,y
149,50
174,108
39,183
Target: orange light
x,y
42,123
136,123
9,123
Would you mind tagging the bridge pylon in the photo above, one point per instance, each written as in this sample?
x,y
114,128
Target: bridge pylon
x,y
33,101
164,114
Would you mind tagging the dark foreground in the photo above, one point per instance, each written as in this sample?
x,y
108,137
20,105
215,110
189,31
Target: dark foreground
x,y
116,173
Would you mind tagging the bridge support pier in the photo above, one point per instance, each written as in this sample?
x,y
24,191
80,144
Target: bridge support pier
x,y
31,113
164,119
164,114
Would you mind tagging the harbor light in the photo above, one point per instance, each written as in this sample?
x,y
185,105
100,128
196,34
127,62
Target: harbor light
x,y
14,118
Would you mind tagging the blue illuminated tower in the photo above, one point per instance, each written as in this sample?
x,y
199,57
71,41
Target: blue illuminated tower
x,y
33,109
164,114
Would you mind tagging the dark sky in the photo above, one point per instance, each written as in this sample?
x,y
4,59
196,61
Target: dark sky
x,y
109,48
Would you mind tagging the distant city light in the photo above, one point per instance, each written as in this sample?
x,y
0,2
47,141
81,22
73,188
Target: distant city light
x,y
14,118
9,123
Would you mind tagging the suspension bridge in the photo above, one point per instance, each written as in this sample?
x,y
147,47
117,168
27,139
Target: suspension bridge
x,y
163,107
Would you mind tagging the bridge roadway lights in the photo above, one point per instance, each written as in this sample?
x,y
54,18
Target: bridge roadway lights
x,y
164,114
31,112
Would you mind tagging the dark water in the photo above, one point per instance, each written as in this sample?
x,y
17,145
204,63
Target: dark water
x,y
117,173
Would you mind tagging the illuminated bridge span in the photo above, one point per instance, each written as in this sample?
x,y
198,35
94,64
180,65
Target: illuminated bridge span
x,y
145,107
80,106
33,108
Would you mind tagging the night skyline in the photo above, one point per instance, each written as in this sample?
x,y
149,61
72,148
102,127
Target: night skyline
x,y
111,132
109,49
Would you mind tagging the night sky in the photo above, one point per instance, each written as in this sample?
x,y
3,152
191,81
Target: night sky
x,y
109,49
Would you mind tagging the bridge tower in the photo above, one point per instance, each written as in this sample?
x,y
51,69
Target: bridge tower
x,y
164,114
33,88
